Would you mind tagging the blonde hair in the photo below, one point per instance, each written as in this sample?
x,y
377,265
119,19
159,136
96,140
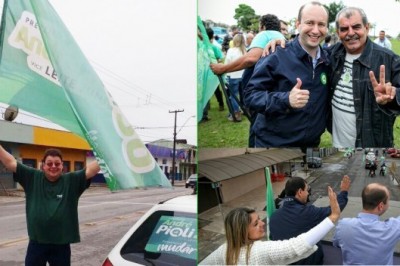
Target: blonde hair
x,y
237,231
238,41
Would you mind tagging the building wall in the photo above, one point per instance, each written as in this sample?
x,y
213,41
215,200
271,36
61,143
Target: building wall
x,y
235,187
36,153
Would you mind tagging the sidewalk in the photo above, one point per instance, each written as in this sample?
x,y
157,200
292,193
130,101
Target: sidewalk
x,y
210,223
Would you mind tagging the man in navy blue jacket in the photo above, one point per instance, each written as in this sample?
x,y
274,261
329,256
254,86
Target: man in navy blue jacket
x,y
292,112
296,216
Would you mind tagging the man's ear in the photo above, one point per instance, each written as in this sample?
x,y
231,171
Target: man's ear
x,y
297,24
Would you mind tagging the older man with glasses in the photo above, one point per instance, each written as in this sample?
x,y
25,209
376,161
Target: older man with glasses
x,y
296,216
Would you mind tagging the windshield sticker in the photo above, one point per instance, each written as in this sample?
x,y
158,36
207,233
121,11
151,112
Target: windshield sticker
x,y
174,235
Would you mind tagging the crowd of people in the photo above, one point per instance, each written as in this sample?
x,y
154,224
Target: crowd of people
x,y
351,90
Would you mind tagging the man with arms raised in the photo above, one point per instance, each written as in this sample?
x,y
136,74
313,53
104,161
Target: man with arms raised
x,y
51,206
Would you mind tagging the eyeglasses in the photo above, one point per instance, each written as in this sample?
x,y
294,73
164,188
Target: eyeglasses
x,y
50,164
309,190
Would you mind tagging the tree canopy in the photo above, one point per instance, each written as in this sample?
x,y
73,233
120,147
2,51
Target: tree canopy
x,y
246,17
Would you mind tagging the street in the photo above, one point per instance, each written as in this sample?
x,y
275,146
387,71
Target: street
x,y
211,232
104,218
332,172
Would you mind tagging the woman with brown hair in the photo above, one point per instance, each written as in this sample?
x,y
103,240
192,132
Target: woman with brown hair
x,y
244,231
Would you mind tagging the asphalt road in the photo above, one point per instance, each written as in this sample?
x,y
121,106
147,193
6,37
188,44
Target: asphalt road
x,y
104,218
334,169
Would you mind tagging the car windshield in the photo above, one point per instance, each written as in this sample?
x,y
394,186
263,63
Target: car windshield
x,y
165,238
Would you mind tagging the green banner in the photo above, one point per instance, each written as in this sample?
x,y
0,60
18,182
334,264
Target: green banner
x,y
43,71
270,194
174,235
207,81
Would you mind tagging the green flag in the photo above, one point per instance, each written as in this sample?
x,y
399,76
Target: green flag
x,y
43,71
270,194
207,81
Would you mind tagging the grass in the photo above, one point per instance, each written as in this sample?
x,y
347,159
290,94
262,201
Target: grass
x,y
219,132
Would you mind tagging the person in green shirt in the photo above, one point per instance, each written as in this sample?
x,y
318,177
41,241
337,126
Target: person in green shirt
x,y
51,206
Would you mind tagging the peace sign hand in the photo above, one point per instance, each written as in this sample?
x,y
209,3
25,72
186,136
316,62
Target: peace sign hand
x,y
384,92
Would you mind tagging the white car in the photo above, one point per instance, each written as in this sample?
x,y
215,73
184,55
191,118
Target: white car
x,y
165,235
370,156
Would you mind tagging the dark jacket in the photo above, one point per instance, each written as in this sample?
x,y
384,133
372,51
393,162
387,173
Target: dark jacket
x,y
267,93
374,123
295,218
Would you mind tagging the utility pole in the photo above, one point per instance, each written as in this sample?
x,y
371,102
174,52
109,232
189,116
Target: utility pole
x,y
174,148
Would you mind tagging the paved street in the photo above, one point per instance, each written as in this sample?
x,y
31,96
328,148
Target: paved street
x,y
211,232
104,218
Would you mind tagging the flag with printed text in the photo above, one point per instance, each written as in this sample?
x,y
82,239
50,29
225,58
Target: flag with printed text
x,y
43,71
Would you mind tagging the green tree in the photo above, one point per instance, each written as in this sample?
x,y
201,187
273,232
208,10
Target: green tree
x,y
245,16
333,9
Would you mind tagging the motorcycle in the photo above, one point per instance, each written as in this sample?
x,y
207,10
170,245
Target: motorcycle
x,y
372,170
383,170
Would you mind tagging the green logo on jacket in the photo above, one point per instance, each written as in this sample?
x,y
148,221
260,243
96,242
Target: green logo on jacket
x,y
323,78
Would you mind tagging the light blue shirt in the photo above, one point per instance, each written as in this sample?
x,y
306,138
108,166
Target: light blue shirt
x,y
264,37
366,240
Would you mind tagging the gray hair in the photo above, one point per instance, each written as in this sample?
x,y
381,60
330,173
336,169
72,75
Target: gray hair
x,y
347,12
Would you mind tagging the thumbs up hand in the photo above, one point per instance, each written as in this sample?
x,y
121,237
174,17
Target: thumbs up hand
x,y
298,98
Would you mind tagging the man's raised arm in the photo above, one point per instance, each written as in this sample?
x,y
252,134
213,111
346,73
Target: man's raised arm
x,y
8,160
92,169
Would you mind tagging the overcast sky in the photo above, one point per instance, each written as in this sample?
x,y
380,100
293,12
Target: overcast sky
x,y
145,54
385,13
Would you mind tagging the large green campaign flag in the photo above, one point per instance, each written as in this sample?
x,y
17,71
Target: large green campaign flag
x,y
43,71
207,81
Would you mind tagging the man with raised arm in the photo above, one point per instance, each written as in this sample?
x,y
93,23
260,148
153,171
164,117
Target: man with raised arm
x,y
51,206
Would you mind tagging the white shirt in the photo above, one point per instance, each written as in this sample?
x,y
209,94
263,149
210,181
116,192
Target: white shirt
x,y
385,43
233,54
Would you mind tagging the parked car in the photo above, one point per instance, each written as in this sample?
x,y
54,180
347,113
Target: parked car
x,y
220,32
313,162
165,235
191,181
395,155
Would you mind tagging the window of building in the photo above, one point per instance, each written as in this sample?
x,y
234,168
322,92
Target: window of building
x,y
156,159
164,161
66,166
30,162
78,165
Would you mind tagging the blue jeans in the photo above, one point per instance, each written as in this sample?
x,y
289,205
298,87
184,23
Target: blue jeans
x,y
39,254
234,89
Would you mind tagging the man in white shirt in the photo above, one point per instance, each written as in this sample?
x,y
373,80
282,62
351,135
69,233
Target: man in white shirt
x,y
383,41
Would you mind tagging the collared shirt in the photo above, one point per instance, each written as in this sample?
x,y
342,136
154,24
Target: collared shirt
x,y
367,240
314,60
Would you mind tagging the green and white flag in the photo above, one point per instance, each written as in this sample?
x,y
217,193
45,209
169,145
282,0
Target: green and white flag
x,y
207,81
43,71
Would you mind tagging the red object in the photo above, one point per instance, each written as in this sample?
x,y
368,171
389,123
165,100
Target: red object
x,y
276,177
107,262
395,155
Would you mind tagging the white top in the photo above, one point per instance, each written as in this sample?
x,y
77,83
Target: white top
x,y
276,252
344,132
233,54
385,43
